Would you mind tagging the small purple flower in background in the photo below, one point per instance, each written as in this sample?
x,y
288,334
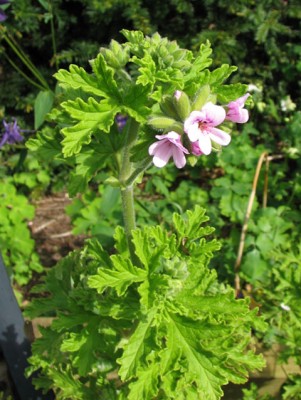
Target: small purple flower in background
x,y
121,121
12,133
3,16
200,127
169,145
236,111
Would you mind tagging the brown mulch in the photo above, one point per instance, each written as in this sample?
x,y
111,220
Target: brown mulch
x,y
52,230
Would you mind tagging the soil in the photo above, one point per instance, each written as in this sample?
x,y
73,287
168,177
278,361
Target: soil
x,y
52,230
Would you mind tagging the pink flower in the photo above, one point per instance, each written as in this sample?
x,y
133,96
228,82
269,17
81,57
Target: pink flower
x,y
195,149
168,145
200,127
236,111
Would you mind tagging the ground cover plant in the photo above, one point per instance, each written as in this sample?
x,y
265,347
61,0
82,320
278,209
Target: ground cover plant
x,y
263,40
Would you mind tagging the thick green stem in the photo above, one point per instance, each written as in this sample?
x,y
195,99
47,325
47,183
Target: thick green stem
x,y
129,219
127,193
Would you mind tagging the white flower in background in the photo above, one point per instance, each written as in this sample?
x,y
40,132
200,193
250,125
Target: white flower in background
x,y
287,104
285,307
254,88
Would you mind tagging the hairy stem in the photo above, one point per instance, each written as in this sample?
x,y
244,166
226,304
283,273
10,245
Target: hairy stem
x,y
127,193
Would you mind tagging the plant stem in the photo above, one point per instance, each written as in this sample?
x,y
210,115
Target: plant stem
x,y
263,156
22,73
138,171
127,192
14,46
53,34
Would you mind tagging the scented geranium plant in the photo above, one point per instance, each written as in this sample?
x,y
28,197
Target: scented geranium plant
x,y
148,320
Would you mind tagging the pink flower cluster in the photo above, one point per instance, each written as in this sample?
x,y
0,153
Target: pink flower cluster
x,y
201,129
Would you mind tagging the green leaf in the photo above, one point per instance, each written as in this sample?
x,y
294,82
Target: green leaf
x,y
219,75
42,105
105,77
120,279
183,340
135,347
93,116
117,55
134,102
254,267
146,385
190,227
78,78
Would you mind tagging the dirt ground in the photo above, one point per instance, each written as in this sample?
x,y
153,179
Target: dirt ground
x,y
52,231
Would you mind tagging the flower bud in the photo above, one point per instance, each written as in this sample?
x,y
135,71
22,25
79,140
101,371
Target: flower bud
x,y
159,122
182,104
202,97
168,108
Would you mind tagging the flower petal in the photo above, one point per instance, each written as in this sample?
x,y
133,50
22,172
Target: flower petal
x,y
162,156
240,116
219,136
178,157
215,115
240,102
205,144
193,132
152,148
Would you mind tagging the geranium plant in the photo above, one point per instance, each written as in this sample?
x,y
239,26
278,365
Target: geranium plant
x,y
148,320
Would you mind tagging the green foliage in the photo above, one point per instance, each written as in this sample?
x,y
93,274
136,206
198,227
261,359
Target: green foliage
x,y
252,394
279,296
97,214
165,326
292,388
16,244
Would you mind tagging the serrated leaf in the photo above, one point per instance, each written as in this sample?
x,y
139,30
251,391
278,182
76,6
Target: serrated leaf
x,y
146,385
135,347
46,144
93,116
78,78
200,369
105,77
120,279
190,227
134,102
219,75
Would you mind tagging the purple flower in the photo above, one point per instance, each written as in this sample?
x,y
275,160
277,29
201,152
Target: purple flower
x,y
12,133
236,111
169,145
121,121
3,16
200,127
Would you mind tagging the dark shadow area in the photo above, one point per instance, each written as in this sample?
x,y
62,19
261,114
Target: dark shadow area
x,y
14,344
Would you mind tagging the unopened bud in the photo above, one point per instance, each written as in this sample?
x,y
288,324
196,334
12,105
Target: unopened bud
x,y
168,108
202,97
182,104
